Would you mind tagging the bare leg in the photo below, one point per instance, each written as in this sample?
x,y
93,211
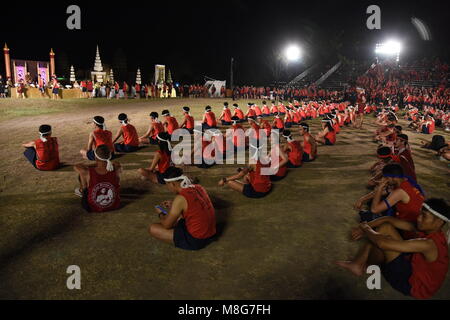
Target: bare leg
x,y
148,175
83,153
157,231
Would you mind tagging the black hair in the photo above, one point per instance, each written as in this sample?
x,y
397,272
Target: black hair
x,y
207,108
399,128
165,113
384,151
123,117
103,151
225,103
393,169
100,120
287,133
264,102
440,206
403,136
235,105
305,126
154,114
164,145
186,109
173,172
45,128
329,125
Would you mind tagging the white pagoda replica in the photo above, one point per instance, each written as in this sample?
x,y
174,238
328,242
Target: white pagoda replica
x,y
98,75
111,75
72,74
138,76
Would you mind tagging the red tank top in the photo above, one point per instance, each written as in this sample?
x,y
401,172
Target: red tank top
x,y
296,153
282,171
409,211
331,136
211,119
103,137
258,111
307,147
238,113
260,183
130,136
238,136
164,161
157,128
200,215
427,277
47,154
172,125
266,110
279,123
251,113
227,115
103,191
189,121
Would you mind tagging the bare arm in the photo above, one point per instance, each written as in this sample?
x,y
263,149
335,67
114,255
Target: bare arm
x,y
118,135
30,144
83,172
395,196
90,141
155,161
179,205
149,131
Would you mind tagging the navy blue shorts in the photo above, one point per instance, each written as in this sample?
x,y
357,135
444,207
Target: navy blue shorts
x,y
425,130
290,165
397,273
327,142
276,178
160,177
288,124
30,154
91,156
153,141
125,148
183,239
251,193
55,91
306,157
226,123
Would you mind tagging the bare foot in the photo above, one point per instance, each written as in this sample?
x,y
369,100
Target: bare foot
x,y
356,269
221,182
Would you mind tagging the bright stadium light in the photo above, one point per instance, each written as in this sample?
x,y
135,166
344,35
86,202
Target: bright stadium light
x,y
292,53
389,48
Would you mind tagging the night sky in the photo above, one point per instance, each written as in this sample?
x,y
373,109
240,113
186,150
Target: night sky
x,y
196,38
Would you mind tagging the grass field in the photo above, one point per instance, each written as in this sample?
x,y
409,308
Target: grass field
x,y
280,247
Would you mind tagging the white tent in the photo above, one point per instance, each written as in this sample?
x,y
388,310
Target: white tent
x,y
218,84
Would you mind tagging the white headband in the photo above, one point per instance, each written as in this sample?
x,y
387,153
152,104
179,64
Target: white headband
x,y
258,150
124,122
109,165
185,183
168,142
440,216
100,124
42,136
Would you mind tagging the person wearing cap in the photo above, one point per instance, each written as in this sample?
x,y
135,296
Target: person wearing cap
x,y
309,145
293,149
254,184
43,153
328,135
189,220
209,119
188,122
99,183
225,117
154,129
130,141
98,137
170,124
161,161
416,266
238,113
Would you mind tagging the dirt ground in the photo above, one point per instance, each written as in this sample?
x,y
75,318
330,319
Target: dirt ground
x,y
279,247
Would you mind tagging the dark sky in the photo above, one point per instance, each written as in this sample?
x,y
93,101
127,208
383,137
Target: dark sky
x,y
197,38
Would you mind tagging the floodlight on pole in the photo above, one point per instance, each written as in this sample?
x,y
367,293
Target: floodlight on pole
x,y
389,48
292,53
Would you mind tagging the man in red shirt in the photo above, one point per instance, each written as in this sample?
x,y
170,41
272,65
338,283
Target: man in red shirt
x,y
416,267
171,123
43,153
130,141
225,117
209,119
189,221
97,137
99,183
188,122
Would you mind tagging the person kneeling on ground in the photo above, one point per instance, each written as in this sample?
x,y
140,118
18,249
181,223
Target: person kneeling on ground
x,y
416,267
43,153
99,183
255,185
130,141
162,160
189,221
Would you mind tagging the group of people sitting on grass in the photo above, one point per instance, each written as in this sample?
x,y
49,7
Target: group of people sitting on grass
x,y
403,228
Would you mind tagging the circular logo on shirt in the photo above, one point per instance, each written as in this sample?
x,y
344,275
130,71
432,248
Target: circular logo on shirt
x,y
103,194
